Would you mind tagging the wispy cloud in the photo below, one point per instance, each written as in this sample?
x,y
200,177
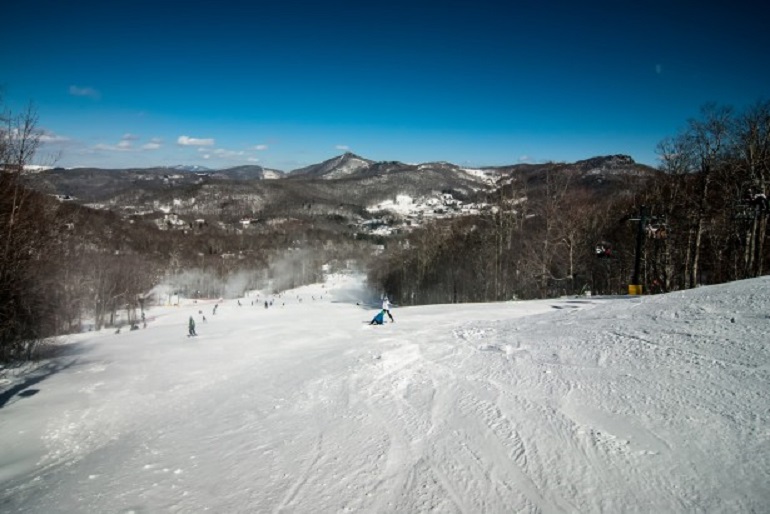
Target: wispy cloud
x,y
227,154
261,147
342,147
51,138
127,144
85,91
154,144
194,141
120,147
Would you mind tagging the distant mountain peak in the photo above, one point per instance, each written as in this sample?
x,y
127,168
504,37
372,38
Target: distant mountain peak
x,y
337,167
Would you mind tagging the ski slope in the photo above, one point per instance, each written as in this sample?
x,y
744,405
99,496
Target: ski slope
x,y
645,404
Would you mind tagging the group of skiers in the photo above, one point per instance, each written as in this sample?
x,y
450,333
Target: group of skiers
x,y
379,319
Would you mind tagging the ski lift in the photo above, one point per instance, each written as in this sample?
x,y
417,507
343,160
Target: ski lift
x,y
603,250
657,228
752,205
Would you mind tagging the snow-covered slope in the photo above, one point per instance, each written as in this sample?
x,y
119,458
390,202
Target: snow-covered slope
x,y
651,404
341,166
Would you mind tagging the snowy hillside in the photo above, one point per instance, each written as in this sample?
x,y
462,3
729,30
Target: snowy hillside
x,y
644,404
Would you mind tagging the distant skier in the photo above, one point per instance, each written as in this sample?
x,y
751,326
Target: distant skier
x,y
379,319
191,327
386,308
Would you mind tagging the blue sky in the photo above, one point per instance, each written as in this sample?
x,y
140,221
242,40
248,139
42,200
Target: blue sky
x,y
286,84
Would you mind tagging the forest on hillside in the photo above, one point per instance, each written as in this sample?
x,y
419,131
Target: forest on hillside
x,y
702,218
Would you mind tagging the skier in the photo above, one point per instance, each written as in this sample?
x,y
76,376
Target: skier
x,y
191,327
379,319
386,308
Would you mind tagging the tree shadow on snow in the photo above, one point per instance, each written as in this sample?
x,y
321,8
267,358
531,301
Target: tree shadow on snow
x,y
23,388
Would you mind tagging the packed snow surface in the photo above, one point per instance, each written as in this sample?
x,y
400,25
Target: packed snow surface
x,y
623,404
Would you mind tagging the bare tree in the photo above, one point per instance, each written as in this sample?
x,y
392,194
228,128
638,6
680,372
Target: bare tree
x,y
22,224
752,145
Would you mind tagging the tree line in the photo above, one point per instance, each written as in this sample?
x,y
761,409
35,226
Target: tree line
x,y
702,215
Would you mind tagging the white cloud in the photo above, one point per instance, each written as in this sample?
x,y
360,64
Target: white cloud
x,y
126,144
261,147
193,141
123,146
50,137
85,91
129,137
252,159
151,146
525,158
342,147
221,152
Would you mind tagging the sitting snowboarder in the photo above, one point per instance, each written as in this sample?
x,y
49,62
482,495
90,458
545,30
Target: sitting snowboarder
x,y
379,319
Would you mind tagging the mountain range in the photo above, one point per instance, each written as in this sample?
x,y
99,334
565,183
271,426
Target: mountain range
x,y
347,188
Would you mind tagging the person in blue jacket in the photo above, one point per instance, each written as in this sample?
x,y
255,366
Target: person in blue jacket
x,y
379,319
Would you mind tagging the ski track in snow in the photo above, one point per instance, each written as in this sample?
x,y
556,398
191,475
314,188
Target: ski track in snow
x,y
654,404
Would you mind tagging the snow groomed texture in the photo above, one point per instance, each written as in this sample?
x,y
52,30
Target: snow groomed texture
x,y
651,403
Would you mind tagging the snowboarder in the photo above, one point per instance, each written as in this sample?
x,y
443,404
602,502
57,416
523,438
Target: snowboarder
x,y
191,327
386,308
379,319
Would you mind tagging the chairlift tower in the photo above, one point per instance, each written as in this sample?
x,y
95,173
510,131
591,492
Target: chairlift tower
x,y
635,287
